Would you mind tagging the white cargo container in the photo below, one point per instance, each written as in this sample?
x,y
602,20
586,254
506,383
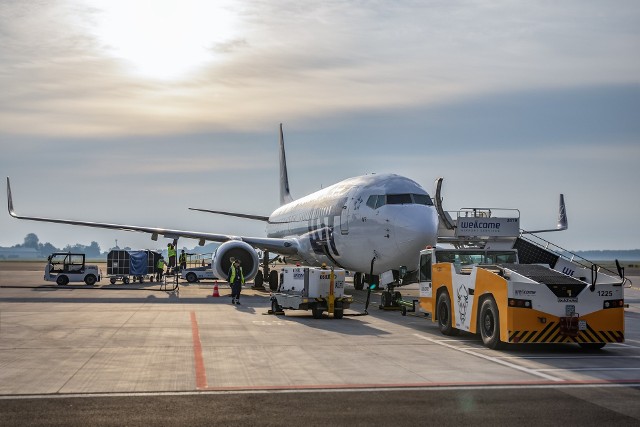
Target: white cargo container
x,y
304,288
312,282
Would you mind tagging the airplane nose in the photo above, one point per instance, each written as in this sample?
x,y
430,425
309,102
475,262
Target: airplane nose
x,y
416,228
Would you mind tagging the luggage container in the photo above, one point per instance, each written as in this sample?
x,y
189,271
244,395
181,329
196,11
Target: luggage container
x,y
312,288
131,265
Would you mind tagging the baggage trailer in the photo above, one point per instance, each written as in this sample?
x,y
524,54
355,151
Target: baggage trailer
x,y
489,292
311,288
66,267
131,265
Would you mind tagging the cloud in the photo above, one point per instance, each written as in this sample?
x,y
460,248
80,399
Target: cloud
x,y
297,62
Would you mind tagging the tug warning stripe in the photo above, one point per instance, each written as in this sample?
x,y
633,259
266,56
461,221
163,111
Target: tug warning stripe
x,y
552,334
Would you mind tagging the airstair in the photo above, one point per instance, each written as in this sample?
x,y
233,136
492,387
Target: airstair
x,y
497,228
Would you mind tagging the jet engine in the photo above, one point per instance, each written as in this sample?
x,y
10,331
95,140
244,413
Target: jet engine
x,y
237,249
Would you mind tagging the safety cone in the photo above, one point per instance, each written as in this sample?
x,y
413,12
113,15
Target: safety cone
x,y
215,290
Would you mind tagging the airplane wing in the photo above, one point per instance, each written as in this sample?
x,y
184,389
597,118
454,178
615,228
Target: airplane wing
x,y
281,246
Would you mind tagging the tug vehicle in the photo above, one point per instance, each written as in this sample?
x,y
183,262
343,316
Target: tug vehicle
x,y
66,267
487,291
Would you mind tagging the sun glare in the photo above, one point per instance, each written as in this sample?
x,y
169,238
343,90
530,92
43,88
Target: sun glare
x,y
164,39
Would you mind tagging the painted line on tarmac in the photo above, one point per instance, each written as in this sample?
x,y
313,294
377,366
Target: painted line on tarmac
x,y
201,373
491,359
346,388
587,369
568,357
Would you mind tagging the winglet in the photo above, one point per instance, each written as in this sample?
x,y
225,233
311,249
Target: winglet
x,y
563,222
10,200
285,195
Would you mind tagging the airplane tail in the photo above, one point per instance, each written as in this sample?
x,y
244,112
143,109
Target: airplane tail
x,y
285,195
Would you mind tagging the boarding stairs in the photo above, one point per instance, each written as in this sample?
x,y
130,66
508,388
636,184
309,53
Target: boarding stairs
x,y
496,228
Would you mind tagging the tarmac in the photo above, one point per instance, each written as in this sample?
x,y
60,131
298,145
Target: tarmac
x,y
136,355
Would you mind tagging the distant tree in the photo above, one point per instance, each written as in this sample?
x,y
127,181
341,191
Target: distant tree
x,y
93,250
47,249
31,241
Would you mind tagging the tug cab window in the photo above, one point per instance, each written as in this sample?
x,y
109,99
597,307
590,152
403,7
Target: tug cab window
x,y
425,268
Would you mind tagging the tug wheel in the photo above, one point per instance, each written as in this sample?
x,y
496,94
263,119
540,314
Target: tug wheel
x,y
489,324
445,315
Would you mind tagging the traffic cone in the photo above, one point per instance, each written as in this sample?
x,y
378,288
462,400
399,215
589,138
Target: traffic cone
x,y
215,290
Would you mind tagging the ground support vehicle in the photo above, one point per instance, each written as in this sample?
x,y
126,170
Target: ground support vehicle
x,y
311,288
133,266
490,293
198,268
66,267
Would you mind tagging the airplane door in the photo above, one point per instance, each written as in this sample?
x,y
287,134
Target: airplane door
x,y
346,211
344,219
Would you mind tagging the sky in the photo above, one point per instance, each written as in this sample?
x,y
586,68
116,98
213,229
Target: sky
x,y
132,111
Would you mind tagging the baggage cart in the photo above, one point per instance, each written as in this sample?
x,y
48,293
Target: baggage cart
x,y
133,266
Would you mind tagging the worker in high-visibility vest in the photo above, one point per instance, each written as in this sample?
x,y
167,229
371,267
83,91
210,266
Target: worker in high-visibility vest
x,y
171,252
236,280
183,260
159,269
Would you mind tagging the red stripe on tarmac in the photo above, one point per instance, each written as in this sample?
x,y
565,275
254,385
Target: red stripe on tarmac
x,y
201,373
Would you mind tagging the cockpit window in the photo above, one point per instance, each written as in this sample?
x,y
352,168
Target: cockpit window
x,y
422,199
399,199
376,201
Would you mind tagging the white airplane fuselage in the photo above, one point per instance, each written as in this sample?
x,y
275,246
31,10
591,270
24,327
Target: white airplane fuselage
x,y
385,216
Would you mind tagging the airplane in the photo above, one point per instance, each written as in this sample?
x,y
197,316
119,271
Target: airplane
x,y
367,224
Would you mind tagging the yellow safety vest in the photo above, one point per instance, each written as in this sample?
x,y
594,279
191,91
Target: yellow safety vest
x,y
183,258
171,251
160,264
232,276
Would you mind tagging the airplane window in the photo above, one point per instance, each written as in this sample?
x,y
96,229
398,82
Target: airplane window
x,y
399,199
371,201
382,200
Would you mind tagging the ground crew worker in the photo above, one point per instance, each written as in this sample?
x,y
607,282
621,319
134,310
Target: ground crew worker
x,y
183,260
171,252
159,269
236,280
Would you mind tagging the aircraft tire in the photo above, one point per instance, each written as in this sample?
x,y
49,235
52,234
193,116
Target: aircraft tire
x,y
358,283
273,280
258,281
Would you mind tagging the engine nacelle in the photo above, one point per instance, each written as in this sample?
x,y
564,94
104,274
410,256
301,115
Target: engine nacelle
x,y
220,262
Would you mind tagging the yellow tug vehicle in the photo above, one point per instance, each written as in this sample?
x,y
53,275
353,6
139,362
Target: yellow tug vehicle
x,y
490,293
